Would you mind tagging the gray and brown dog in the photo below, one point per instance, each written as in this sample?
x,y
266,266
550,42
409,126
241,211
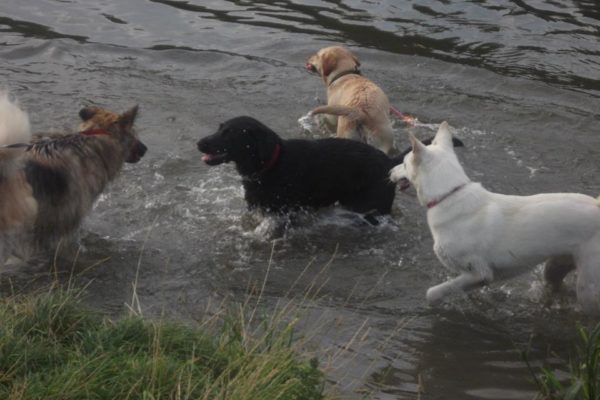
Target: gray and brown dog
x,y
357,108
50,183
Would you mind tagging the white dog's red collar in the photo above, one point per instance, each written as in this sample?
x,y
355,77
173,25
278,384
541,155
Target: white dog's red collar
x,y
437,201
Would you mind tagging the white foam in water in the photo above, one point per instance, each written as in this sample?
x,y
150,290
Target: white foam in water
x,y
267,227
464,131
519,162
419,124
308,122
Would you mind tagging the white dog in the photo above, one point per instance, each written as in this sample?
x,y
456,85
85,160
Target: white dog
x,y
14,123
485,236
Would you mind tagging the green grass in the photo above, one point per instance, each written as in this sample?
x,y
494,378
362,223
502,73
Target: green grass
x,y
53,347
584,378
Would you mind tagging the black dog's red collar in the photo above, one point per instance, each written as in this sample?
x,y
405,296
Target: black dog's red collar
x,y
94,132
437,201
273,160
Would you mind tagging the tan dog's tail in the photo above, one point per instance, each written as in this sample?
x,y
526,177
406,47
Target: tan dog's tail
x,y
352,113
598,201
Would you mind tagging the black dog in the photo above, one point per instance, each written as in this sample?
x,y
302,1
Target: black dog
x,y
280,176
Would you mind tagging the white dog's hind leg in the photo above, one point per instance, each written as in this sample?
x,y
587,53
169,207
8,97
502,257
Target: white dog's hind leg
x,y
477,275
588,276
556,268
462,283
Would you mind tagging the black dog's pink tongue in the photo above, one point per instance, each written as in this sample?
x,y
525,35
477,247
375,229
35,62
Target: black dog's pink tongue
x,y
206,157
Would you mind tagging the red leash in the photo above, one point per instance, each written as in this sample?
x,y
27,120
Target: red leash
x,y
404,117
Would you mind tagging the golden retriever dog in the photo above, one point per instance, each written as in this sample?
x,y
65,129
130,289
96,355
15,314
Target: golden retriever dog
x,y
357,108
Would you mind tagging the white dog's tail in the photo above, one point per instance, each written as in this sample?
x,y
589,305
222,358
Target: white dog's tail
x,y
14,122
352,113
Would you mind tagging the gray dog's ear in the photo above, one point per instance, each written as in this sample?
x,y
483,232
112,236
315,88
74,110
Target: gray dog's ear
x,y
127,119
87,113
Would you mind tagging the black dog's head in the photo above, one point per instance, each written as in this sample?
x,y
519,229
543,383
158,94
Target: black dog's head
x,y
251,145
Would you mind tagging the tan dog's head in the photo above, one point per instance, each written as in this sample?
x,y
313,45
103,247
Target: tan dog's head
x,y
331,61
117,126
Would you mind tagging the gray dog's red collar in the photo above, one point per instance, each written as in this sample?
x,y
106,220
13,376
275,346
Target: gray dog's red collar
x,y
94,132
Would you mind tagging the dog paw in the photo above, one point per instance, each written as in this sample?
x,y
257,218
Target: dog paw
x,y
307,122
434,295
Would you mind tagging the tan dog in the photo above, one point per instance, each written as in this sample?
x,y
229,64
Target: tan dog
x,y
359,108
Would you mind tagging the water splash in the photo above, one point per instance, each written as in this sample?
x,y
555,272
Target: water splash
x,y
308,122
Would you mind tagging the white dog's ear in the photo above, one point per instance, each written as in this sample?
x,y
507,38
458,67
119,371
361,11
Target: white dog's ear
x,y
418,148
443,137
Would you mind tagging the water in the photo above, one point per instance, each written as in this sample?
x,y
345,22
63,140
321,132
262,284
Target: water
x,y
519,82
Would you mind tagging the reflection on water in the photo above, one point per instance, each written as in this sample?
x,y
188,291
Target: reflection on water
x,y
555,42
518,81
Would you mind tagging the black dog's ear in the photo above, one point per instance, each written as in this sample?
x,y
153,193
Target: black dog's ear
x,y
87,113
455,142
400,158
267,142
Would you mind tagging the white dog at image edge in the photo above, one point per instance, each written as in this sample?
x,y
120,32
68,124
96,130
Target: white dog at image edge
x,y
485,236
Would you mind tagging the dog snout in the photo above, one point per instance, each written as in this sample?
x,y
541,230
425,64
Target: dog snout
x,y
204,145
210,143
403,184
141,148
137,152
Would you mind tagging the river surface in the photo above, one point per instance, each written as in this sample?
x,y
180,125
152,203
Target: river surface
x,y
519,82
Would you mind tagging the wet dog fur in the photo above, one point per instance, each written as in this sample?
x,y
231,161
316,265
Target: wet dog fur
x,y
280,176
49,183
356,107
485,236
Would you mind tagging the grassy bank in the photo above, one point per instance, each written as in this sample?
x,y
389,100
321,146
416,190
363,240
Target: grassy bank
x,y
53,347
583,380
